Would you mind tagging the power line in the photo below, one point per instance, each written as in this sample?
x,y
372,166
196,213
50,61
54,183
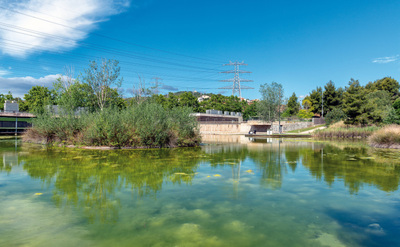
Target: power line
x,y
236,80
108,37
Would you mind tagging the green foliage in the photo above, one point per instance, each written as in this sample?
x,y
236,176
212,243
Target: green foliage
x,y
332,97
272,99
293,105
387,84
4,97
250,110
377,106
101,76
353,101
37,98
305,114
393,117
334,116
142,125
315,98
187,99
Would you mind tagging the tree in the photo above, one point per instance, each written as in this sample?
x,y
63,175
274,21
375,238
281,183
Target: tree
x,y
334,116
353,101
4,97
377,106
250,110
316,100
101,77
269,107
188,99
172,101
293,105
37,98
332,97
307,103
303,113
387,84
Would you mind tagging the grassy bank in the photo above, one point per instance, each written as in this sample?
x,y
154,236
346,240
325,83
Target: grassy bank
x,y
340,130
141,126
305,129
387,137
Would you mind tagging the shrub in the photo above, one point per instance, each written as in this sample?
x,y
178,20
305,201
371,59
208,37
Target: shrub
x,y
142,125
335,116
388,136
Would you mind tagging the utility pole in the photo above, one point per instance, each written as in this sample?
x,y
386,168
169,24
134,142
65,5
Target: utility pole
x,y
322,96
236,80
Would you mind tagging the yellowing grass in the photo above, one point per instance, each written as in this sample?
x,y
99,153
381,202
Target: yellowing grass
x,y
387,137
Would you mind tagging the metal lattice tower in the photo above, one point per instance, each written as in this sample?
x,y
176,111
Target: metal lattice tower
x,y
236,86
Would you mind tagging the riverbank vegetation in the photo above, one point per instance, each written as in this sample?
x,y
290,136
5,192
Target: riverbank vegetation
x,y
341,130
93,113
387,137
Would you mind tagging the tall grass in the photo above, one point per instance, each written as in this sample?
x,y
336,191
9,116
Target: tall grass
x,y
143,125
387,137
340,130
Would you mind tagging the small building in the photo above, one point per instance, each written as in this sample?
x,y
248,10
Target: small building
x,y
203,97
11,106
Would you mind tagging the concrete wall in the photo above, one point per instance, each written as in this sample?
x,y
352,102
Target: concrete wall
x,y
244,128
291,126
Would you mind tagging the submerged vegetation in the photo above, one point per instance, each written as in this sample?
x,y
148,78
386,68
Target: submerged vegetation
x,y
143,125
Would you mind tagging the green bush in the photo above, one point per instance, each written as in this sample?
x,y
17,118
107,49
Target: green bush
x,y
142,125
335,116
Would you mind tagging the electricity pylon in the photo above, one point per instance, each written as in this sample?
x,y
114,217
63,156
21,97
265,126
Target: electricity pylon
x,y
236,80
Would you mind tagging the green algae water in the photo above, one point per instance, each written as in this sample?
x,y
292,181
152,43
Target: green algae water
x,y
224,193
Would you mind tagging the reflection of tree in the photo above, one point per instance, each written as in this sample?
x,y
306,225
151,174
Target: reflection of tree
x,y
354,165
90,179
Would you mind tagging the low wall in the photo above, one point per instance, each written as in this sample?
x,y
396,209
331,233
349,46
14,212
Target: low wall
x,y
244,128
291,126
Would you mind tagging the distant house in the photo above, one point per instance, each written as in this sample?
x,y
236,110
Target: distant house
x,y
203,97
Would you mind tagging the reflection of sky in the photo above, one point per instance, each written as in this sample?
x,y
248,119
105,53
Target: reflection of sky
x,y
256,199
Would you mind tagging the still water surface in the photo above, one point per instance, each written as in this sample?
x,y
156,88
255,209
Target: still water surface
x,y
241,193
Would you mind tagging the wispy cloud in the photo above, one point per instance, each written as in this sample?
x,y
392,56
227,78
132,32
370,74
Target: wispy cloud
x,y
21,85
4,72
386,59
24,30
169,88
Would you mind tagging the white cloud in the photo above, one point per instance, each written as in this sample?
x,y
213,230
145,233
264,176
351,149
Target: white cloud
x,y
21,85
386,59
4,72
77,14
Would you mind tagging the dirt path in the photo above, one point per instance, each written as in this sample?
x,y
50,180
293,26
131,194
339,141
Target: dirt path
x,y
310,131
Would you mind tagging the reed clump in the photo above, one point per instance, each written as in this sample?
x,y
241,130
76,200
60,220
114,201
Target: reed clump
x,y
340,130
387,137
141,126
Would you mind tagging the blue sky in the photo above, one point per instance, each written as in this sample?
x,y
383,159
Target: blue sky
x,y
300,44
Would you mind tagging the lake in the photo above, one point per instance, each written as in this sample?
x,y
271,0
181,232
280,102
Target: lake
x,y
231,191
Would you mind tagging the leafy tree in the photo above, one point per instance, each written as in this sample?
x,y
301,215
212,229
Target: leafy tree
x,y
303,113
188,99
307,103
353,101
332,97
172,101
250,110
316,100
101,77
393,117
377,106
293,105
387,84
269,107
4,97
37,98
334,116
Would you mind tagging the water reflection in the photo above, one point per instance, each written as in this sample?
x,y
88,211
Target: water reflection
x,y
92,180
